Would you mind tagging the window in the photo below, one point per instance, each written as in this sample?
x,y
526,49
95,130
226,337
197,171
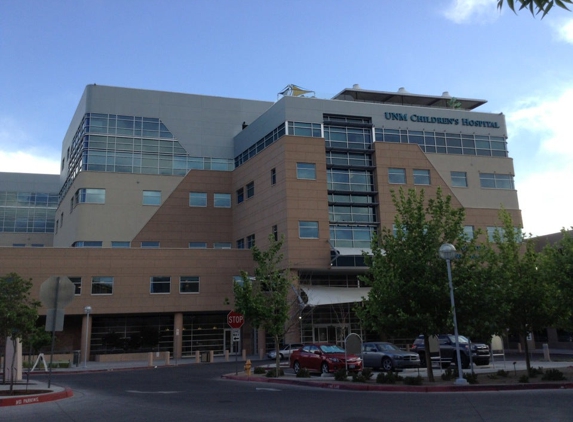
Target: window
x,y
241,244
250,190
222,200
496,181
240,195
37,245
397,176
197,245
87,244
197,199
150,244
250,241
160,285
459,179
77,284
120,244
491,230
273,176
275,232
308,229
90,196
151,197
188,284
306,171
421,177
469,232
18,245
102,285
222,245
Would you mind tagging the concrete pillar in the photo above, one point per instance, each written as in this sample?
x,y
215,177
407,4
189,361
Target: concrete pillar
x,y
177,335
546,355
86,334
226,356
197,356
150,359
13,353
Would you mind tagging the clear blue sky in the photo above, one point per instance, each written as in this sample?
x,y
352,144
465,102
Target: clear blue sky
x,y
523,67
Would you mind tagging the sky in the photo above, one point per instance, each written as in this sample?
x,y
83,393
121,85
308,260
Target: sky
x,y
522,65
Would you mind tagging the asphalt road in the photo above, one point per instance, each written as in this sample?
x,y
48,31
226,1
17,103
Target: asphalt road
x,y
197,393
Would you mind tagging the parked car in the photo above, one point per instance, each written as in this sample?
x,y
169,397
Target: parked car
x,y
285,351
479,351
324,358
388,357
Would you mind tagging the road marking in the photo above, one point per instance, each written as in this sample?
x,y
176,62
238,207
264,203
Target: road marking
x,y
267,389
152,392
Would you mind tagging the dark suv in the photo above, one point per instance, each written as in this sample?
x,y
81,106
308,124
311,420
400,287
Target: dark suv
x,y
479,351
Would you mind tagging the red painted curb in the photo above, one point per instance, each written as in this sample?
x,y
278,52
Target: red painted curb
x,y
406,388
36,398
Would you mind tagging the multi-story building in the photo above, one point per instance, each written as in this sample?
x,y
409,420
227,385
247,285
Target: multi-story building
x,y
162,194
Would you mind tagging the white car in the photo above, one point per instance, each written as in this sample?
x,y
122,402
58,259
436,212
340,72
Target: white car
x,y
284,350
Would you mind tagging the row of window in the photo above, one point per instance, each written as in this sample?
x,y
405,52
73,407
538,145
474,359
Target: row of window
x,y
27,212
147,244
103,285
458,178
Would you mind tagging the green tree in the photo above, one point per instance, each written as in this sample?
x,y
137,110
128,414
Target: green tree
x,y
535,6
530,294
558,263
409,287
264,298
18,312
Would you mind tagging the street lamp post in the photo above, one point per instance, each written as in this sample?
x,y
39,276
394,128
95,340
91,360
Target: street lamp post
x,y
87,310
448,252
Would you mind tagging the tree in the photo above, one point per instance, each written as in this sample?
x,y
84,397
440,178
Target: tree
x,y
409,290
530,294
263,299
558,262
535,6
18,312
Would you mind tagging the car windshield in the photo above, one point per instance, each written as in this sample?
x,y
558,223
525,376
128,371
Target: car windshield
x,y
462,339
331,348
386,347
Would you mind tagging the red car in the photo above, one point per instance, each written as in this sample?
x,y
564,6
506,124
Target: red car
x,y
324,358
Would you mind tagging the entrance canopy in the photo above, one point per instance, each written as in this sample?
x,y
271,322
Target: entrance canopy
x,y
326,295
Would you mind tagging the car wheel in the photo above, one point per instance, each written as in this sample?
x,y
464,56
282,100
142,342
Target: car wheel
x,y
387,364
422,360
324,368
296,366
281,357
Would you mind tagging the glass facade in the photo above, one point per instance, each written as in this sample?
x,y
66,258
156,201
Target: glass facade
x,y
446,143
27,212
131,144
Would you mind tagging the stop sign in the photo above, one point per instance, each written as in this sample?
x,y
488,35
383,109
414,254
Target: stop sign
x,y
235,319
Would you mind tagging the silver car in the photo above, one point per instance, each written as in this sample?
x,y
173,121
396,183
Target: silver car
x,y
284,350
388,357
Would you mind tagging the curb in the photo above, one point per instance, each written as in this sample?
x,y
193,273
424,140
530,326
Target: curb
x,y
35,398
405,388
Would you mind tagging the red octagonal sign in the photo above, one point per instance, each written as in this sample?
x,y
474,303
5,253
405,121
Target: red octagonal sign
x,y
235,319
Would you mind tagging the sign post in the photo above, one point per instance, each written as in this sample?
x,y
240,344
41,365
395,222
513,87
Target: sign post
x,y
235,321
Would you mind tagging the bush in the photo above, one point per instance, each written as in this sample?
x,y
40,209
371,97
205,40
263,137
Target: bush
x,y
523,379
272,373
449,374
358,377
341,375
367,373
533,372
413,380
259,370
303,373
388,378
502,373
553,375
471,377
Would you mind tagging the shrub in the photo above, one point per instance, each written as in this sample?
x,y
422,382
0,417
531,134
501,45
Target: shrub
x,y
533,372
492,376
449,374
303,373
259,370
413,380
523,379
272,373
367,373
502,373
388,378
358,377
471,377
341,375
553,375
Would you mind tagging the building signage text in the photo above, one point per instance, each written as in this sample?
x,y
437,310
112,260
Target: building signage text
x,y
440,120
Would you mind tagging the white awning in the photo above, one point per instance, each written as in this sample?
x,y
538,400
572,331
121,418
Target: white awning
x,y
325,295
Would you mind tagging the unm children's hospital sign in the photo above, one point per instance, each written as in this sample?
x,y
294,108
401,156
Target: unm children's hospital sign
x,y
440,120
